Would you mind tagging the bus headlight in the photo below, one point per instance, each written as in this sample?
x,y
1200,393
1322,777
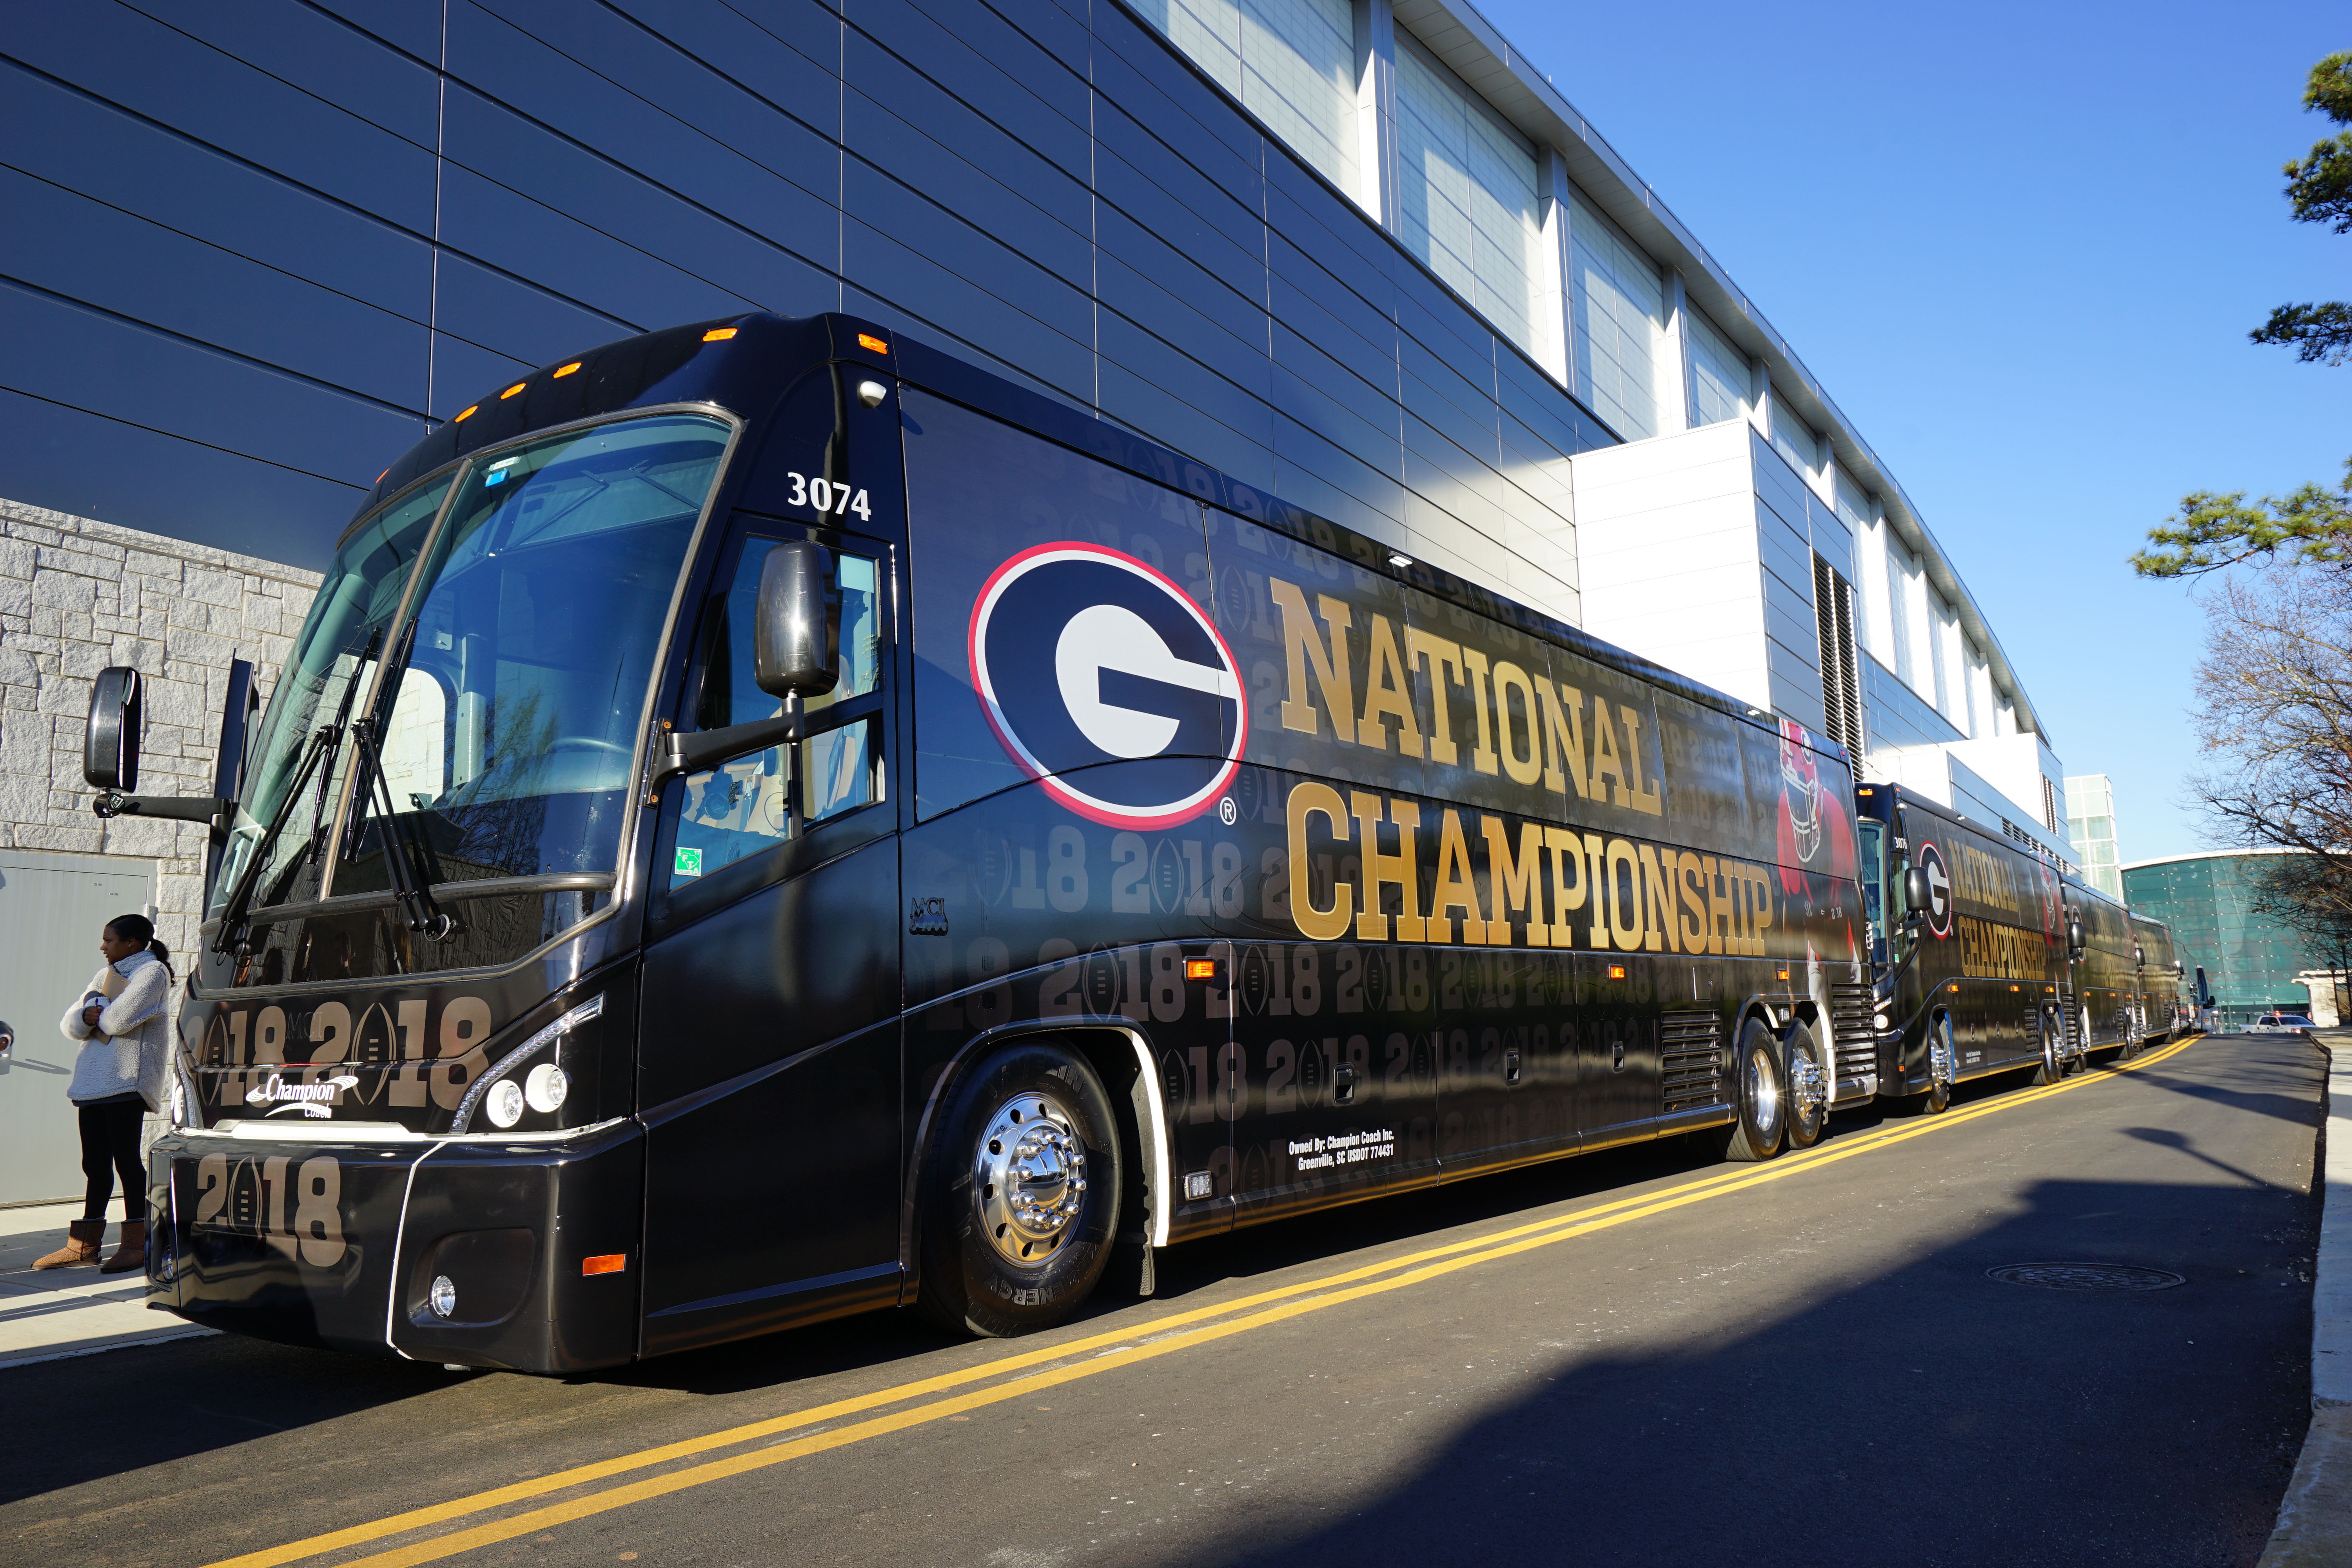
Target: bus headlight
x,y
442,1296
1879,1022
505,1102
544,1090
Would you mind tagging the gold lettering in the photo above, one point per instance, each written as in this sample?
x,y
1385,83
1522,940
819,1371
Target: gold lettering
x,y
1522,769
1317,925
1388,694
1763,908
1640,796
1657,901
1691,874
1606,763
1445,661
1568,893
1482,756
1625,925
1596,875
1456,888
1722,908
1403,868
1515,882
1563,739
1332,674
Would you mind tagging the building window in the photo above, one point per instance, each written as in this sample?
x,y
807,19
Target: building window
x,y
1720,378
1291,63
1617,302
1840,676
1794,440
1466,196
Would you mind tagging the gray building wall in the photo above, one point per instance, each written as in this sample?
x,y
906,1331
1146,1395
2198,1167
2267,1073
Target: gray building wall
x,y
255,250
77,595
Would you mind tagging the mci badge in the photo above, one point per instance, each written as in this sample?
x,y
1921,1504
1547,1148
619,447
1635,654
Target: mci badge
x,y
1085,657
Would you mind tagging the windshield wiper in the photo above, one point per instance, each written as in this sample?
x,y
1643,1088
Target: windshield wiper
x,y
232,927
403,847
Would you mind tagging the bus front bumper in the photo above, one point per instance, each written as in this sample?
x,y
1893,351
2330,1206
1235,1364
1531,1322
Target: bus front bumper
x,y
309,1238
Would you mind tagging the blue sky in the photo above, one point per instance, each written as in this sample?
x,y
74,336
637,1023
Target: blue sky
x,y
2022,247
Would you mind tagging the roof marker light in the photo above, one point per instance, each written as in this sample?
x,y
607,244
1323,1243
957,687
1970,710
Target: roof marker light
x,y
872,344
717,335
379,479
510,391
466,416
567,369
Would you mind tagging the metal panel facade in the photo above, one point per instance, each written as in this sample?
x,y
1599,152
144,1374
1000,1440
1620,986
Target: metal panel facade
x,y
268,244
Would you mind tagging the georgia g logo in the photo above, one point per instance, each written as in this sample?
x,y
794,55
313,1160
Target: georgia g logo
x,y
1939,890
1084,656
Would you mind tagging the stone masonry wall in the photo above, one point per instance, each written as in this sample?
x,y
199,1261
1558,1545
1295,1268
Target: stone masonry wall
x,y
77,595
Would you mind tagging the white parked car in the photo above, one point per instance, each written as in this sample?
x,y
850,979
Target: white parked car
x,y
2279,1023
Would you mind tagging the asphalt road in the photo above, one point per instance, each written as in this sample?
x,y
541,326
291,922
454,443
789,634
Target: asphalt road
x,y
1631,1357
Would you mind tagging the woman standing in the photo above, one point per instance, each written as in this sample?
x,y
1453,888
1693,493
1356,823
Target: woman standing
x,y
118,1078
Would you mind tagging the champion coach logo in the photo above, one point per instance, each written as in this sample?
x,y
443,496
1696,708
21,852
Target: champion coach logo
x,y
1084,656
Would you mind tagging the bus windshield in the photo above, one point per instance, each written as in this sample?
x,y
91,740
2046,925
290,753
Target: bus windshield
x,y
515,686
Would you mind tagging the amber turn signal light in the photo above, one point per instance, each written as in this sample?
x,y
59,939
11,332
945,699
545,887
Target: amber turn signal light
x,y
1200,969
717,335
1616,972
872,344
605,1263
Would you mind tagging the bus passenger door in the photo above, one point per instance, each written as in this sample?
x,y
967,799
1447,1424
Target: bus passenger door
x,y
768,1069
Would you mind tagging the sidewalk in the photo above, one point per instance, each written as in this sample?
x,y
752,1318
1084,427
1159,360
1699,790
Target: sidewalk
x,y
2314,1521
69,1312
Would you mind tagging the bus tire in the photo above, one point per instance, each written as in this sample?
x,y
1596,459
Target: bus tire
x,y
1809,1108
2053,1056
1942,1066
1021,1194
1758,1096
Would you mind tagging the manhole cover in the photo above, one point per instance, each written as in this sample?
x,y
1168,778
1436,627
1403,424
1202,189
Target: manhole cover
x,y
2086,1277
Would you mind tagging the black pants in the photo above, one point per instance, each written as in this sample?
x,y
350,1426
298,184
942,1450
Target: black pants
x,y
109,1142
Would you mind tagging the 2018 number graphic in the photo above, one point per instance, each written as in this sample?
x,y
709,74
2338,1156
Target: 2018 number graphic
x,y
829,496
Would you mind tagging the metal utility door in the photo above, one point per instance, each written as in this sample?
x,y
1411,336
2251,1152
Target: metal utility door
x,y
52,909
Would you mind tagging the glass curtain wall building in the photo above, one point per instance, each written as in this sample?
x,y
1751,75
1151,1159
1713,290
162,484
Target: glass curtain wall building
x,y
2249,961
2091,823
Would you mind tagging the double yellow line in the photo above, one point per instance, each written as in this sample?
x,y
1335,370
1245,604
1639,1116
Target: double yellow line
x,y
1066,1362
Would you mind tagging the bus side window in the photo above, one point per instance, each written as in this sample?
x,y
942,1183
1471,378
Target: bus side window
x,y
754,803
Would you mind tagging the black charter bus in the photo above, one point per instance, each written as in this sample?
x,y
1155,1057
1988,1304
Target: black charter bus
x,y
765,820
1970,931
2162,1008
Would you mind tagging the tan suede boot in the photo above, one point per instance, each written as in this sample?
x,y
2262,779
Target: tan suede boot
x,y
82,1237
133,1251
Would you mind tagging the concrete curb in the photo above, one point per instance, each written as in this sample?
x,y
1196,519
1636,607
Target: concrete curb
x,y
2315,1519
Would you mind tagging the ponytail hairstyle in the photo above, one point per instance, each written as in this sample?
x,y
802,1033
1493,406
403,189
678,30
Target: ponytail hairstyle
x,y
139,928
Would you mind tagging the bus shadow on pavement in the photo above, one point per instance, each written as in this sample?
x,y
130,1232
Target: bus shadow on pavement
x,y
1928,1414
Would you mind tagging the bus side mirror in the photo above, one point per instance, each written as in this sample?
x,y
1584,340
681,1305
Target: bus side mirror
x,y
2074,938
796,645
1918,897
109,746
2179,967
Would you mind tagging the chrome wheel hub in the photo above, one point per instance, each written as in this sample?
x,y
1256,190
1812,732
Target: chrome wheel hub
x,y
1763,1089
1029,1175
1806,1086
1940,1066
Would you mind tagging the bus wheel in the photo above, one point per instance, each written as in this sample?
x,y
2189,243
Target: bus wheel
x,y
1755,1095
2132,1040
1943,1069
1809,1090
2082,1057
2053,1056
1021,1195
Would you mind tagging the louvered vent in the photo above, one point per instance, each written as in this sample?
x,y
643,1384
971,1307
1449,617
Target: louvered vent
x,y
1851,1008
1841,672
1689,1060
